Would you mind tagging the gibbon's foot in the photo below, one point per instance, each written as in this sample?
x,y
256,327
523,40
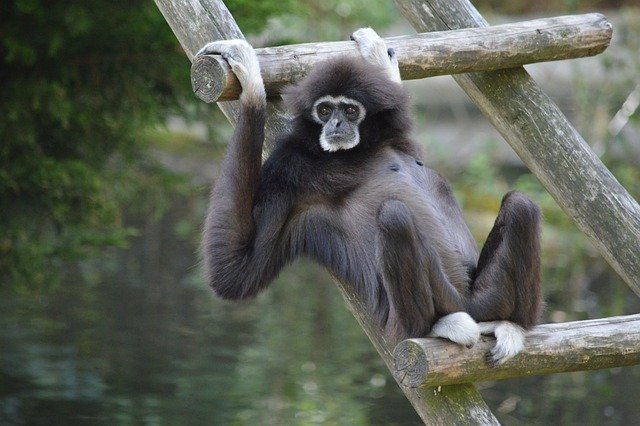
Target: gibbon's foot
x,y
374,50
509,340
458,327
244,63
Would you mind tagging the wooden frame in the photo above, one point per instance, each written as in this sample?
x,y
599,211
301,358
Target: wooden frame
x,y
548,145
549,348
421,55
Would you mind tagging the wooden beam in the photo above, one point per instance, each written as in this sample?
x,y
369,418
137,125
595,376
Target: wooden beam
x,y
546,142
421,55
196,22
550,348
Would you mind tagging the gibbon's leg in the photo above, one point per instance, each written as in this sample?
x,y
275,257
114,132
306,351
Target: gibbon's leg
x,y
506,288
411,310
374,50
413,301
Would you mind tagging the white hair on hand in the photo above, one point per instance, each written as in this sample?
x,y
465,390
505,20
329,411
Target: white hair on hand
x,y
458,327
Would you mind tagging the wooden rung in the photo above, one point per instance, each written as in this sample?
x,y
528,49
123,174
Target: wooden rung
x,y
421,55
549,348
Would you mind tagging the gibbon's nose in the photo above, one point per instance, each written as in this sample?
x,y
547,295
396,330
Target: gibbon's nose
x,y
337,123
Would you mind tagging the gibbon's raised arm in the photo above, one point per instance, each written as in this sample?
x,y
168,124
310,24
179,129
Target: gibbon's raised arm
x,y
241,249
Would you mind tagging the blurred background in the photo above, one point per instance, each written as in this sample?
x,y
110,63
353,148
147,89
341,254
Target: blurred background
x,y
106,160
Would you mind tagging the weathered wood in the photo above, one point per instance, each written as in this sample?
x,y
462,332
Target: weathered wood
x,y
459,404
546,142
196,22
549,348
421,55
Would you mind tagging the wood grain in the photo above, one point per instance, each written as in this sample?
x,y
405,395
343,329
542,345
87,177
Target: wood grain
x,y
421,55
550,348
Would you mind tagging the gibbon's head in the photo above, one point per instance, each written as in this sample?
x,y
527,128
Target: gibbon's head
x,y
351,102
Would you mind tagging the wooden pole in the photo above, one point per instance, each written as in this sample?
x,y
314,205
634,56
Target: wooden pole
x,y
546,142
421,55
550,348
196,22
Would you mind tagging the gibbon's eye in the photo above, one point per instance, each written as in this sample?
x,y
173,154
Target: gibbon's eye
x,y
351,111
324,111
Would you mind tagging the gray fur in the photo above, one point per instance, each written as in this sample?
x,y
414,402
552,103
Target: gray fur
x,y
373,215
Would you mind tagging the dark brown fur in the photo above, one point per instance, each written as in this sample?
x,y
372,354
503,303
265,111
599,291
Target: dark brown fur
x,y
374,215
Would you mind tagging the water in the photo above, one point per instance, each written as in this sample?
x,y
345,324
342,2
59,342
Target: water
x,y
135,337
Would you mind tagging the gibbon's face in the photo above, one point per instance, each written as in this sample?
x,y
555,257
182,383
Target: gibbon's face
x,y
339,117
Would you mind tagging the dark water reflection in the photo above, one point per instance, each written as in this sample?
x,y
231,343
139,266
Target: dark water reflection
x,y
135,338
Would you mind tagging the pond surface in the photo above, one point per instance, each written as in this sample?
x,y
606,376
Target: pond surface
x,y
135,337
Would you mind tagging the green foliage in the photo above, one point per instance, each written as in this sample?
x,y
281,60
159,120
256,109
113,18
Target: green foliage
x,y
314,20
517,7
81,81
78,79
252,15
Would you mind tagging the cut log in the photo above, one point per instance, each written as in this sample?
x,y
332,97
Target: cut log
x,y
195,23
421,55
550,348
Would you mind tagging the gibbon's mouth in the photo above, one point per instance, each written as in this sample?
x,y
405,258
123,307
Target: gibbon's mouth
x,y
340,140
339,137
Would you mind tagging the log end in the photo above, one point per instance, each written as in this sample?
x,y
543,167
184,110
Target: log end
x,y
212,79
411,366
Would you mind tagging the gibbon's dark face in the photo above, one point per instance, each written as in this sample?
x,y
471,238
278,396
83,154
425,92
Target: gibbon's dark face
x,y
351,102
339,117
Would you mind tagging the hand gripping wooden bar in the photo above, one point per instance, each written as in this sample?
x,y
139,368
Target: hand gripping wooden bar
x,y
421,55
549,348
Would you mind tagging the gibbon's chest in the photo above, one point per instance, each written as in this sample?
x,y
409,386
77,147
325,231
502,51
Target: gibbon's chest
x,y
396,175
392,175
352,196
434,210
351,216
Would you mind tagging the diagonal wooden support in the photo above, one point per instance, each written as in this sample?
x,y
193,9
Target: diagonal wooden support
x,y
546,142
421,55
549,348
